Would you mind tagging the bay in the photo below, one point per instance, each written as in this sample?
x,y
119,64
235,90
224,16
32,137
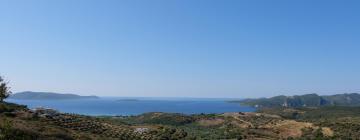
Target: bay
x,y
113,106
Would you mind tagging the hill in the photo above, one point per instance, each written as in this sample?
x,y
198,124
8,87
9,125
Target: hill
x,y
297,123
18,122
308,100
28,95
343,120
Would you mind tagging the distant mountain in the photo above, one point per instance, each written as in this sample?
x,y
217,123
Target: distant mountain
x,y
309,100
28,95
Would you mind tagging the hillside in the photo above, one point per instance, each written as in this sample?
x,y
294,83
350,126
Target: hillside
x,y
28,95
344,121
18,122
308,100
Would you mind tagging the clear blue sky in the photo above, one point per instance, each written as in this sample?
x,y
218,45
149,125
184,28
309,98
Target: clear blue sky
x,y
181,48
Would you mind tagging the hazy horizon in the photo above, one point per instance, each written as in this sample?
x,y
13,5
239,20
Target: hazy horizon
x,y
182,97
181,48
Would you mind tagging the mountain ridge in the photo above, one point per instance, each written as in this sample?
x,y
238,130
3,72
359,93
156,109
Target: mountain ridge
x,y
309,100
30,95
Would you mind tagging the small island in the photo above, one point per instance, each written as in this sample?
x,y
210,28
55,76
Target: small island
x,y
29,95
128,100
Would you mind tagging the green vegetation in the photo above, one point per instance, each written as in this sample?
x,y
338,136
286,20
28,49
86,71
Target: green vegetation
x,y
4,90
226,126
289,121
22,123
343,121
308,100
160,118
9,133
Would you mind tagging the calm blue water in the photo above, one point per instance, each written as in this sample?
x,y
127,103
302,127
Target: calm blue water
x,y
112,106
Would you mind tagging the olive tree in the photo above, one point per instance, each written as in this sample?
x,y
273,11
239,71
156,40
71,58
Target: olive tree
x,y
4,90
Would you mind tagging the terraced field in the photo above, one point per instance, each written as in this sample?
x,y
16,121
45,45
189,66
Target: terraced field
x,y
79,123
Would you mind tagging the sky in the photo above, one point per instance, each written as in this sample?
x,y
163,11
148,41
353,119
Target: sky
x,y
181,48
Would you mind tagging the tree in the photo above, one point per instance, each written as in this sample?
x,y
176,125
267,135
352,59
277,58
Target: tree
x,y
4,90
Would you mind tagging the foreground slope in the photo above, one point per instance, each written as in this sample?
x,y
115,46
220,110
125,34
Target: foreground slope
x,y
18,122
343,121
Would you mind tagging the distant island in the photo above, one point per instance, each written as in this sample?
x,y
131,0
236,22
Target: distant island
x,y
128,100
29,95
308,100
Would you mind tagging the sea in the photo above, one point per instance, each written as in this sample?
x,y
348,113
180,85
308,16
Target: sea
x,y
116,106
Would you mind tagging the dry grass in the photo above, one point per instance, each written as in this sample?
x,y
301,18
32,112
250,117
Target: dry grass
x,y
289,128
211,122
327,132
